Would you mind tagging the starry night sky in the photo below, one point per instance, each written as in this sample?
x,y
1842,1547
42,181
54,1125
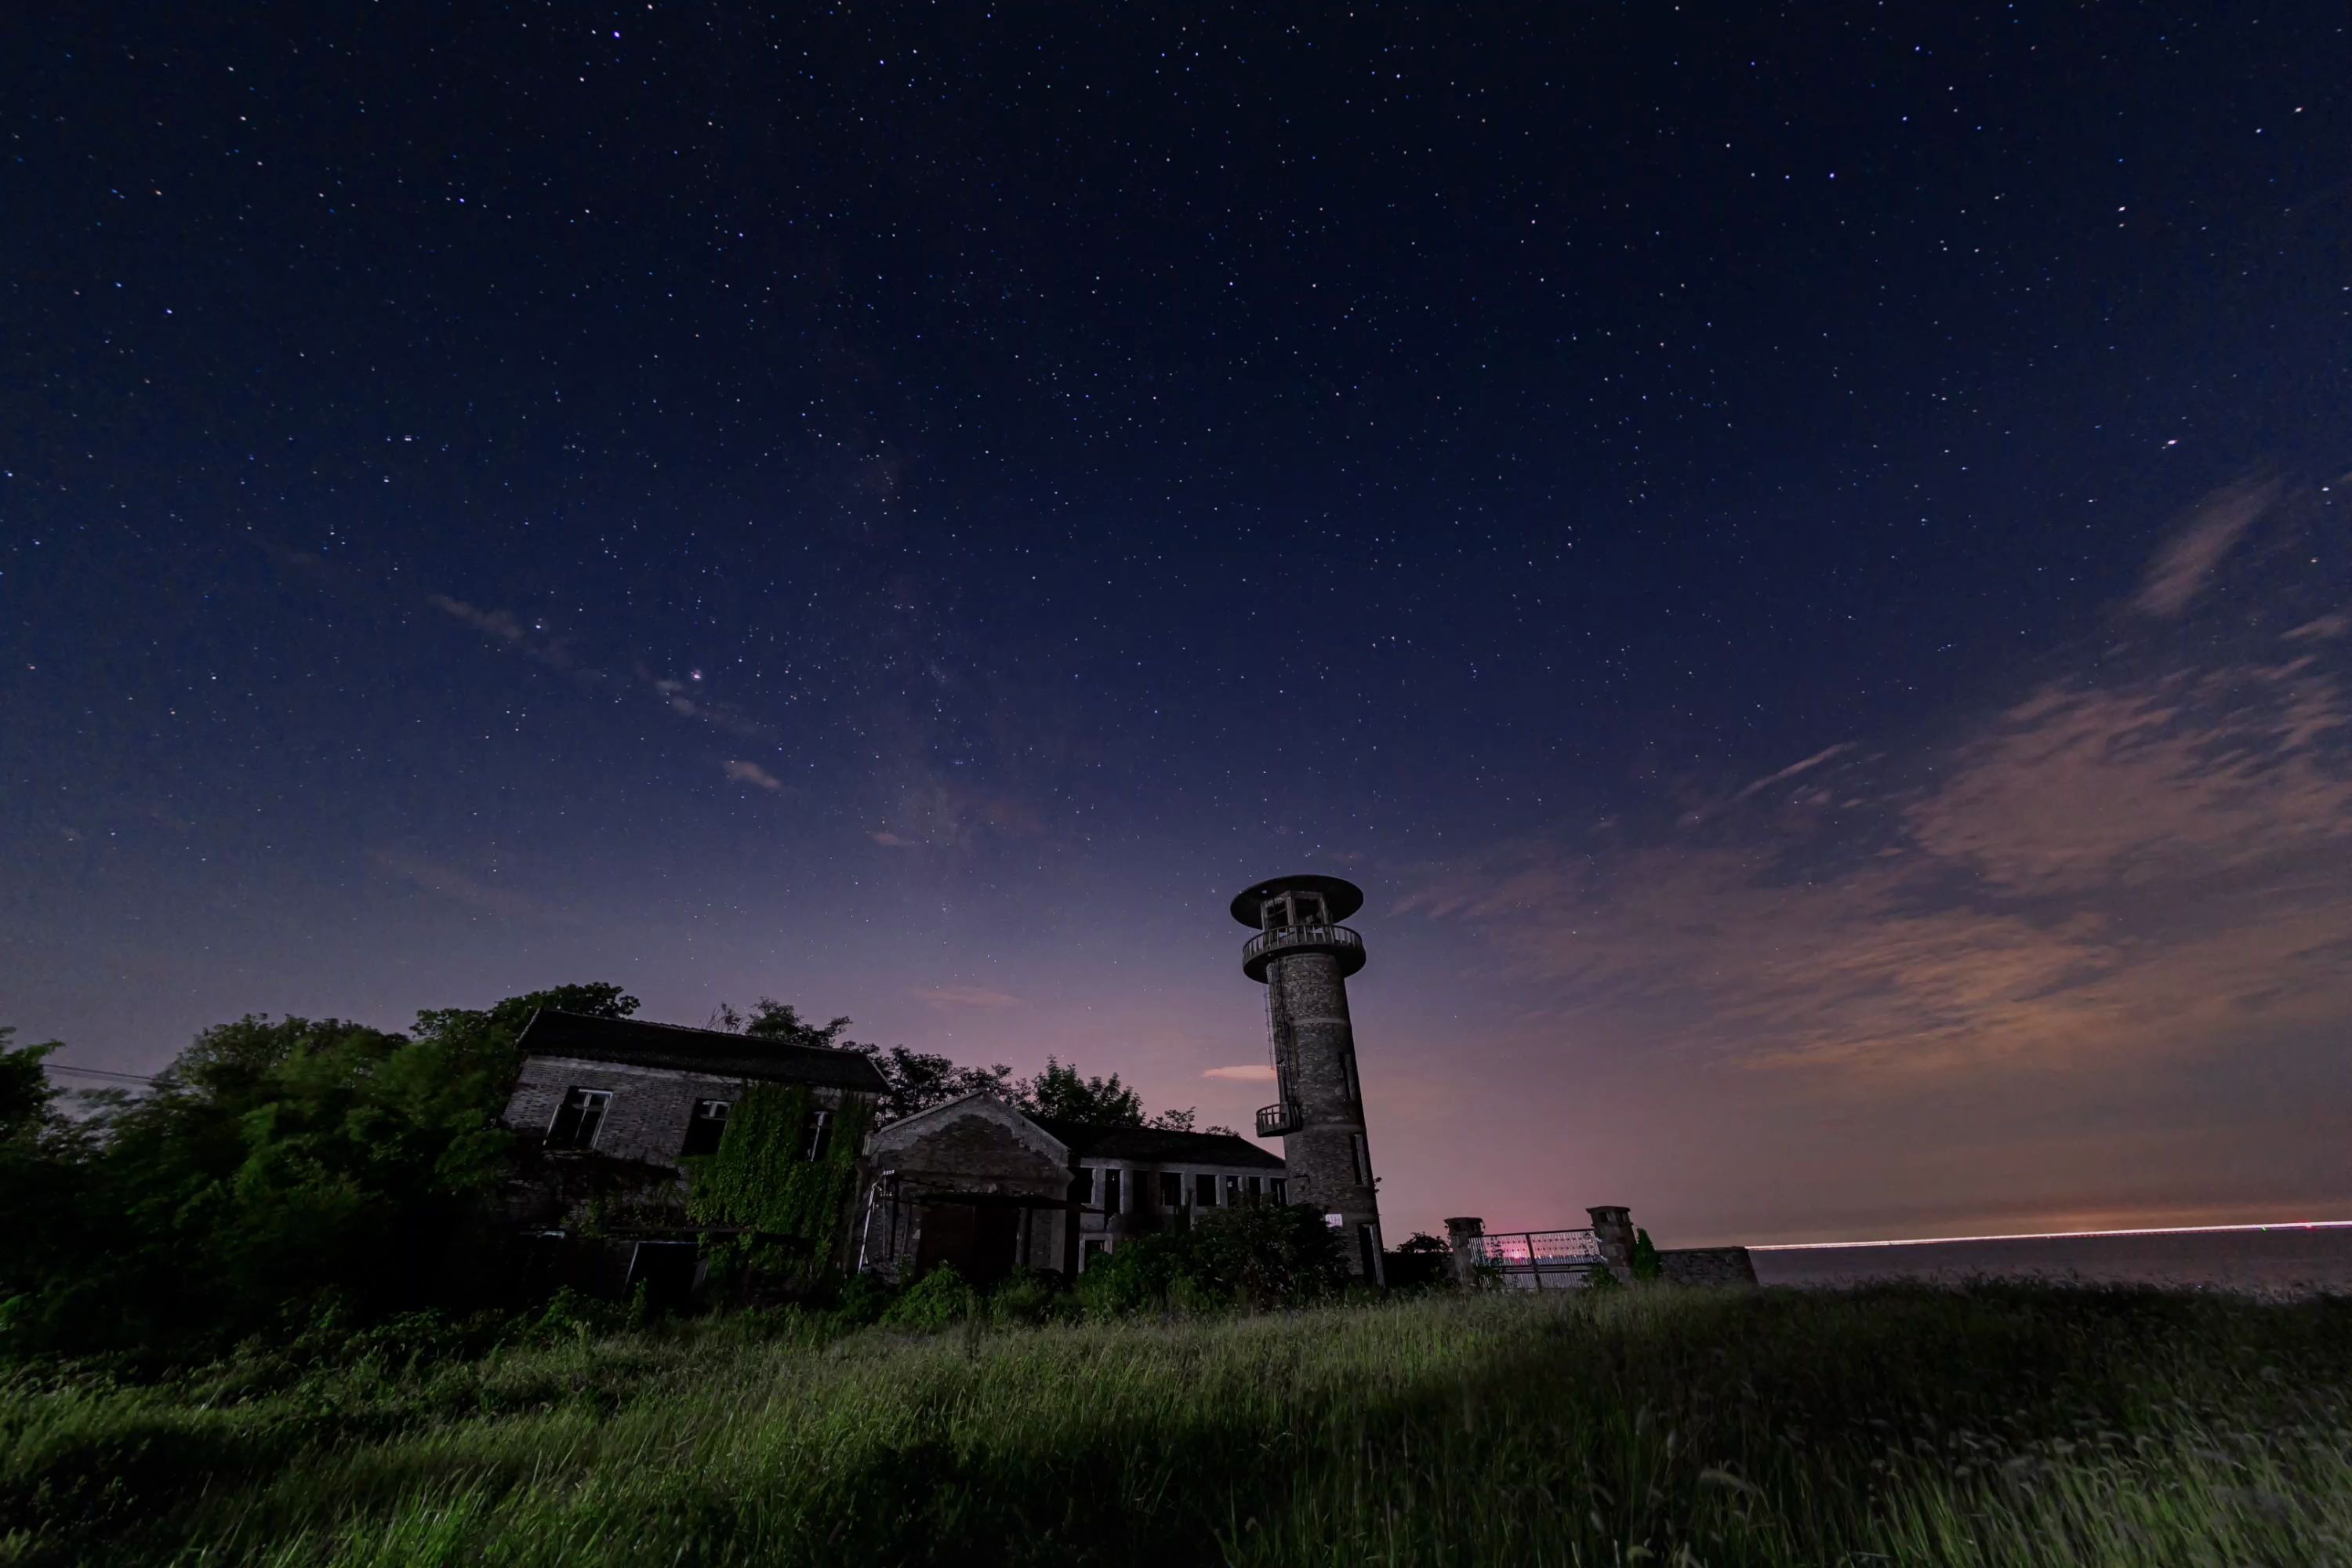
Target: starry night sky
x,y
1799,560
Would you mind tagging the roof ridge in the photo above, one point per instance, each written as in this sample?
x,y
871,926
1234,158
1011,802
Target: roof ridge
x,y
737,1036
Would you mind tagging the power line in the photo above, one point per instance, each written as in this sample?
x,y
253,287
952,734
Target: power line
x,y
96,1072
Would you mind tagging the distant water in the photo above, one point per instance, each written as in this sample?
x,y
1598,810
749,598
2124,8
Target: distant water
x,y
2270,1260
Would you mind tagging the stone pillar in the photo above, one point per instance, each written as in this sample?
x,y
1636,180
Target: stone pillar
x,y
1459,1235
1612,1227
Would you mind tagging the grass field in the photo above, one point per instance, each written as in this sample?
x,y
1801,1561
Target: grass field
x,y
1995,1425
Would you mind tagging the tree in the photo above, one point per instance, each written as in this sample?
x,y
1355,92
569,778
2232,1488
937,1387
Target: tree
x,y
1174,1120
1423,1260
479,1042
773,1020
918,1079
27,1099
41,1154
1059,1093
277,1165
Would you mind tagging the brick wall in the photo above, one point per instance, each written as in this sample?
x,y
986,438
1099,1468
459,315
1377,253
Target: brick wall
x,y
645,1119
1309,1002
978,1146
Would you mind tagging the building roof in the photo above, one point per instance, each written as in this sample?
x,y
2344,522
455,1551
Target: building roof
x,y
1160,1146
713,1051
1340,896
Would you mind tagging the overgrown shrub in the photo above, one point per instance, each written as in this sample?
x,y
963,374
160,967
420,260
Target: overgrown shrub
x,y
1030,1297
1262,1254
940,1300
863,1301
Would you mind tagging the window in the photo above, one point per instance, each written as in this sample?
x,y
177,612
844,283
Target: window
x,y
1364,1152
1204,1191
1306,910
1281,1189
1367,1244
705,1127
1257,1189
1110,1190
1233,1190
1089,1249
820,1133
1336,1221
1276,913
577,1119
1171,1191
1355,1092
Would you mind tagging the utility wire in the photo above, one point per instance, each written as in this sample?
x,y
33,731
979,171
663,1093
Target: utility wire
x,y
96,1072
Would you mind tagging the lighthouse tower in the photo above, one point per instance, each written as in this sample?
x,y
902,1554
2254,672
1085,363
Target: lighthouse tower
x,y
1304,956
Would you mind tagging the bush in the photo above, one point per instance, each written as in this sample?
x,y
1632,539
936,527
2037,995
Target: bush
x,y
1267,1256
1258,1255
1035,1297
864,1300
940,1300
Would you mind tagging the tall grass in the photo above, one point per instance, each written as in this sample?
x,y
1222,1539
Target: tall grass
x,y
1994,1426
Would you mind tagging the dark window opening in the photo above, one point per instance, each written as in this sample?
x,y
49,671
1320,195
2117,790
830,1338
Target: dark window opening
x,y
1110,1191
820,1133
1257,1189
1369,1246
1094,1247
1233,1190
577,1119
1281,1189
705,1127
1204,1191
1172,1190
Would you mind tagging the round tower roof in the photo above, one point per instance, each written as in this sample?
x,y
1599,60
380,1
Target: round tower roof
x,y
1342,897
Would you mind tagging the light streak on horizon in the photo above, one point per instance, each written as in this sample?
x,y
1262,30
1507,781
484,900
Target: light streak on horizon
x,y
2054,1234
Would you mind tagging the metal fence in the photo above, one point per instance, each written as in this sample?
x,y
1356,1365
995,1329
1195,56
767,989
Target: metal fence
x,y
1537,1252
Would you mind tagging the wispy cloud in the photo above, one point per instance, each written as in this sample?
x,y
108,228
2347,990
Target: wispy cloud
x,y
688,699
2182,566
754,773
1255,1072
2111,868
687,696
500,623
458,885
1793,769
889,840
532,642
946,997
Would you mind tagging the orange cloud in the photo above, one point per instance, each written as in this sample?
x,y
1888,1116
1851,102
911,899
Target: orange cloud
x,y
2156,865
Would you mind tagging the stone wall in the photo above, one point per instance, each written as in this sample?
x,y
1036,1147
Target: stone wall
x,y
1707,1266
646,1118
975,1146
1308,1003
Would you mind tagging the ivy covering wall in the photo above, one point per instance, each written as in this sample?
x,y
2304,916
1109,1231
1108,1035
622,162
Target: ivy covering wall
x,y
762,1178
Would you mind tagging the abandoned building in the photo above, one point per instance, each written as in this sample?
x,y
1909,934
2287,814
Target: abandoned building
x,y
619,1108
617,1105
990,1189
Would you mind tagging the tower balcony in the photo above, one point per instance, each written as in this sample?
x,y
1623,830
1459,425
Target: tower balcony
x,y
1278,1121
1283,941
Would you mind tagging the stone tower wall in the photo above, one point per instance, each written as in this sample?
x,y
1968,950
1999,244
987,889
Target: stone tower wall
x,y
1308,1005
